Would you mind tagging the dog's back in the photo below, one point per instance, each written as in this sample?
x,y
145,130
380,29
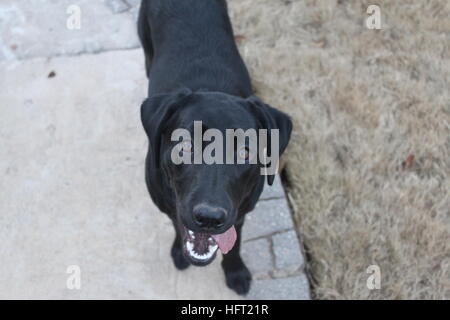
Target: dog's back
x,y
190,43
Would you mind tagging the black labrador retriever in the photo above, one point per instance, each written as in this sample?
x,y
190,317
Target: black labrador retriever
x,y
196,74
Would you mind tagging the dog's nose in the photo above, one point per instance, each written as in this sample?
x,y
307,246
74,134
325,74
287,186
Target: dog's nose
x,y
209,218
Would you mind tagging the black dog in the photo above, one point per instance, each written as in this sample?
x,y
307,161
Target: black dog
x,y
196,74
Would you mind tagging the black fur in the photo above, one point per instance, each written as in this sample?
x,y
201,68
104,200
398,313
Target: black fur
x,y
196,74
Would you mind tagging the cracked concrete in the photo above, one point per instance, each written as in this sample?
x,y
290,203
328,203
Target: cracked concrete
x,y
272,249
24,21
73,193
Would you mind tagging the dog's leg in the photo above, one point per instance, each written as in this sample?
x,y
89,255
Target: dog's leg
x,y
237,275
145,36
178,258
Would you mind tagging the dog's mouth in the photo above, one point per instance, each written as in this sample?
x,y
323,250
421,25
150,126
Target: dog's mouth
x,y
201,248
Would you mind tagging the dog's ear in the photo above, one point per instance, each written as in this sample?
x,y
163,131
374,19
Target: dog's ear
x,y
270,118
156,111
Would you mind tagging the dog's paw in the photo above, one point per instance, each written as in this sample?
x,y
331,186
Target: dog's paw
x,y
178,258
239,280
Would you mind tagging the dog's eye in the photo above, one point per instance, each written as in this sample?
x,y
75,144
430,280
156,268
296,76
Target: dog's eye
x,y
244,153
186,146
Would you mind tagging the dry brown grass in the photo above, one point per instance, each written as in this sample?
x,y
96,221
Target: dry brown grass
x,y
363,101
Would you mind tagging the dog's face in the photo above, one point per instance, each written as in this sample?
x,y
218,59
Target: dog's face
x,y
209,194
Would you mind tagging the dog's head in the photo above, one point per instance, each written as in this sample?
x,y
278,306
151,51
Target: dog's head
x,y
212,167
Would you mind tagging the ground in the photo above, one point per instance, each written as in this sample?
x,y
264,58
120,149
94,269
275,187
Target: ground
x,y
72,193
368,166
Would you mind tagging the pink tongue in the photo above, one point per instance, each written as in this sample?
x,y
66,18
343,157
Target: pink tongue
x,y
226,240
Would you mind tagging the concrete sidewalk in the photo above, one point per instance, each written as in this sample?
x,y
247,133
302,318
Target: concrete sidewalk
x,y
72,190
